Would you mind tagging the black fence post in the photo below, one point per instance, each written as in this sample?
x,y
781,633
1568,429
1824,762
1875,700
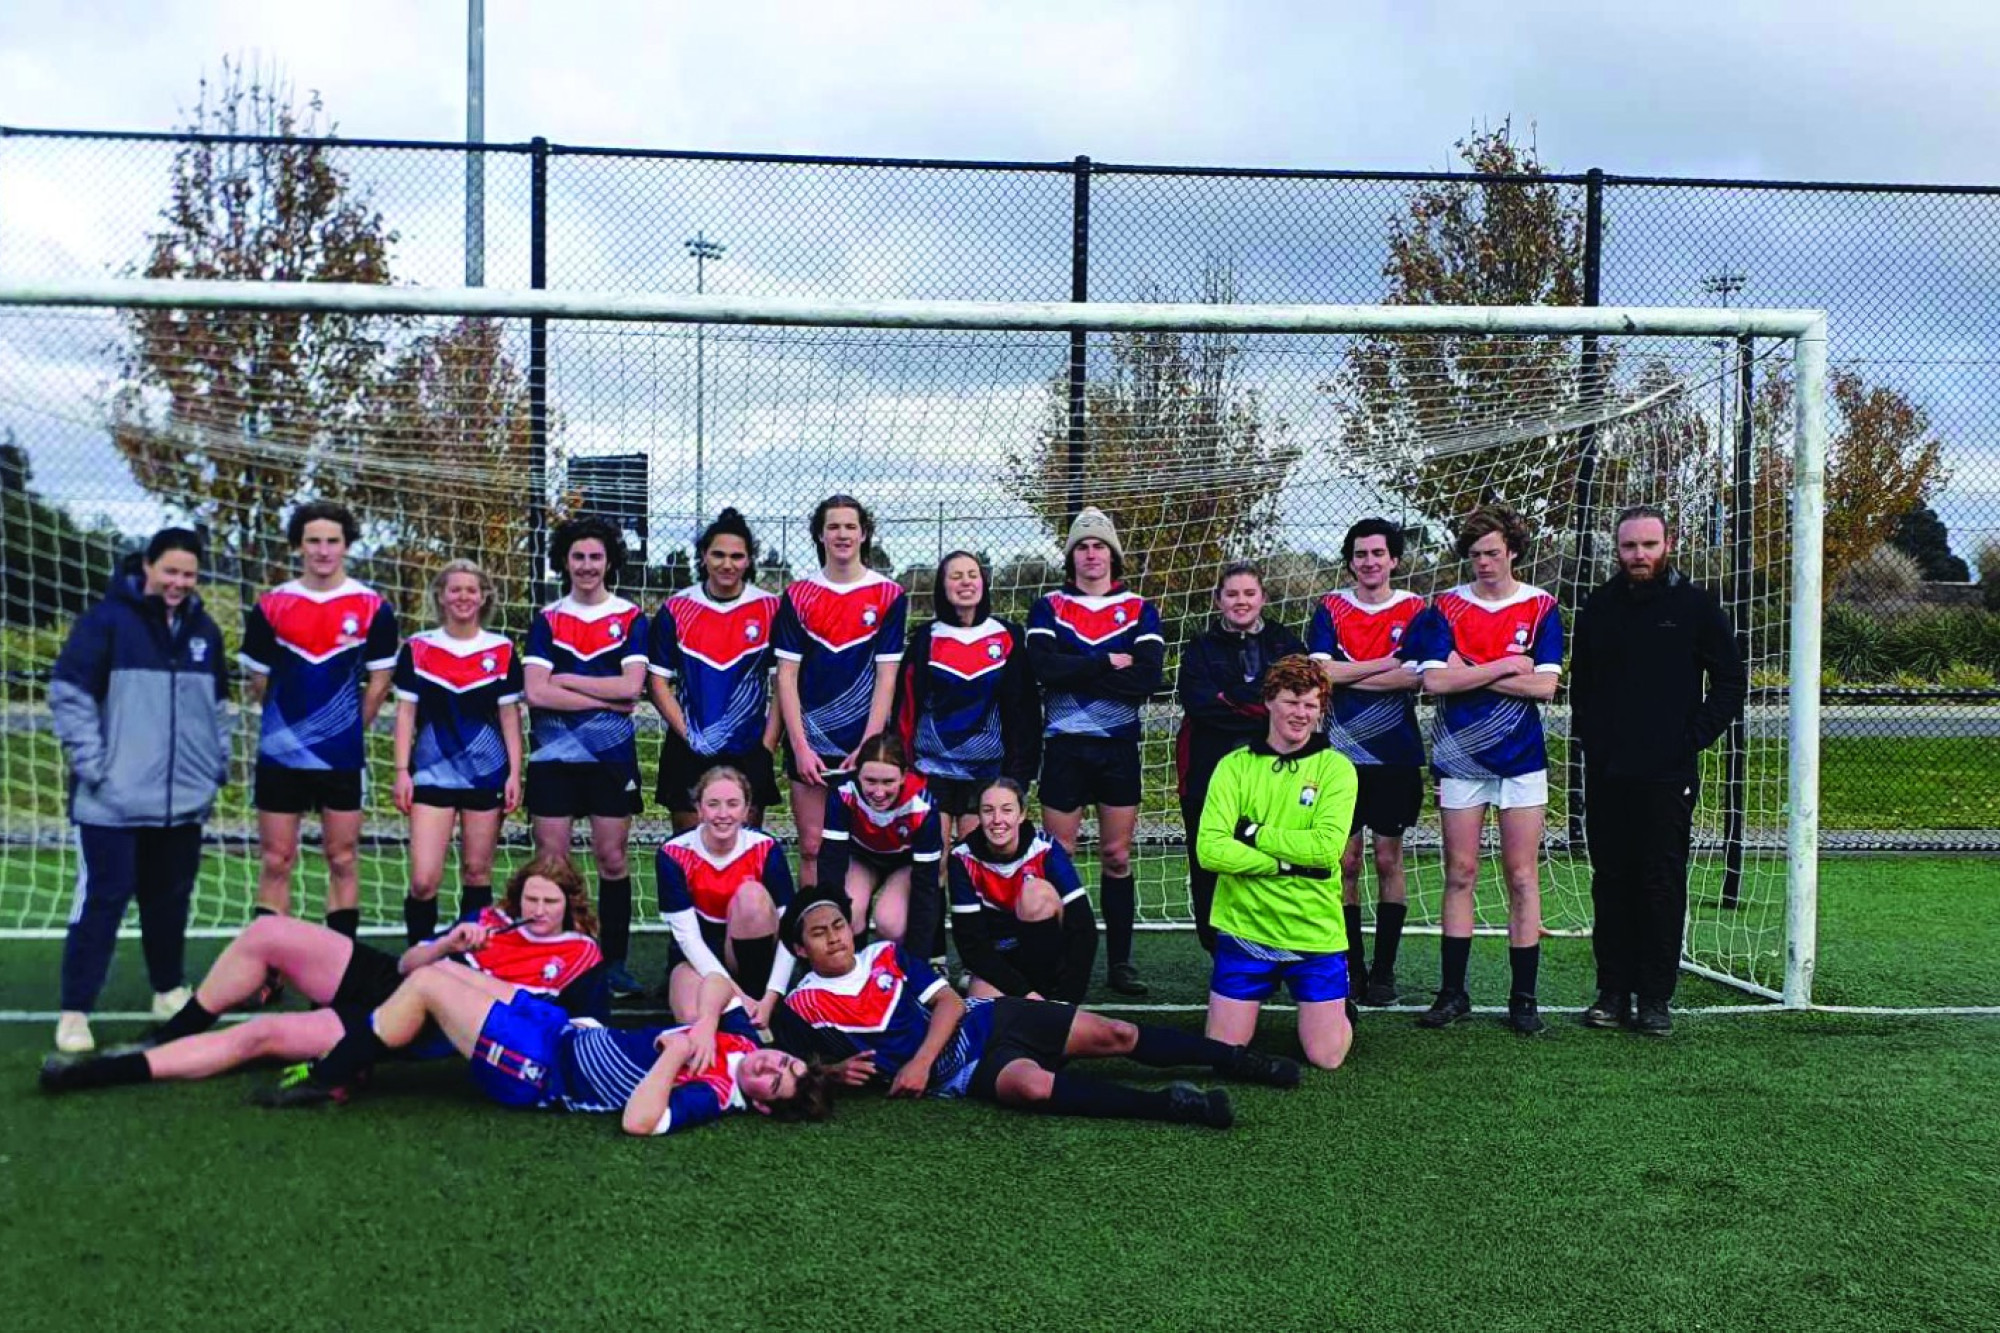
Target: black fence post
x,y
538,373
1735,752
1586,470
1079,290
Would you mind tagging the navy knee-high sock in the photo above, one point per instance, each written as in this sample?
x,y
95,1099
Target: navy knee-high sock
x,y
420,918
1389,919
1121,908
1357,959
346,920
1168,1048
1455,953
614,919
1073,1094
473,899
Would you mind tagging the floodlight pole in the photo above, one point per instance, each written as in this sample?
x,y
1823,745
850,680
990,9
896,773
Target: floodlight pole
x,y
475,133
702,249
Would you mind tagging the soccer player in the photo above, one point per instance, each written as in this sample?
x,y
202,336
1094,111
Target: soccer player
x,y
1273,830
1097,650
1490,650
544,941
139,699
884,841
721,887
1646,643
526,1052
839,637
884,1011
966,703
319,651
1360,637
1019,912
585,670
710,661
458,745
1222,701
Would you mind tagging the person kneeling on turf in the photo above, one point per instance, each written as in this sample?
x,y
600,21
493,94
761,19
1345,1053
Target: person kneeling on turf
x,y
884,1010
526,1052
545,940
1273,830
1020,915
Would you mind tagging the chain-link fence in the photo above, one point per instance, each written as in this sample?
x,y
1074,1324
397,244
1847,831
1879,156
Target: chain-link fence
x,y
1910,277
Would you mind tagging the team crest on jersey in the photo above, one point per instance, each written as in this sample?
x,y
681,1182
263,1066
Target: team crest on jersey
x,y
350,626
488,662
532,1072
1308,796
1520,638
1120,616
198,650
750,631
551,970
884,982
615,629
1395,633
993,650
868,616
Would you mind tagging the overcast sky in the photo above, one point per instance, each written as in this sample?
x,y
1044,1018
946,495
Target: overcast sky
x,y
1784,89
1821,88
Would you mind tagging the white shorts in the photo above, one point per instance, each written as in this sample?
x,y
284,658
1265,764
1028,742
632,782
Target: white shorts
x,y
1506,793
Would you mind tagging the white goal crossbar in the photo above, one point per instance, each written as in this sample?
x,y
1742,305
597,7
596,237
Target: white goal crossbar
x,y
1805,330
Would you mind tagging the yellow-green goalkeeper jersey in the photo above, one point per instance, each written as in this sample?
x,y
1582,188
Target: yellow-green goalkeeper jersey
x,y
1279,883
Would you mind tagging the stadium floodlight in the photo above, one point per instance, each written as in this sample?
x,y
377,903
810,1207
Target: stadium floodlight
x,y
1213,431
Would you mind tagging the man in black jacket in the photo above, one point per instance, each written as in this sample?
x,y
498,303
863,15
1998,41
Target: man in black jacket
x,y
1645,643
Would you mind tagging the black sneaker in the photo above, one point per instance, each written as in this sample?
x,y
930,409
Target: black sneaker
x,y
55,1075
1448,1008
1201,1106
295,1090
622,984
1253,1066
1124,978
1653,1019
1522,1015
1380,992
1611,1009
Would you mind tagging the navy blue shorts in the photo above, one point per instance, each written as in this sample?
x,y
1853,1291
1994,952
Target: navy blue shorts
x,y
516,1052
1248,971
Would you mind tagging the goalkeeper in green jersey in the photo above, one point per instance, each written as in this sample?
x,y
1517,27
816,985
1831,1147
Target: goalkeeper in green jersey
x,y
1273,829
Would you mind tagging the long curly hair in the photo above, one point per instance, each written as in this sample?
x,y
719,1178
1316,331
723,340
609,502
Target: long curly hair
x,y
577,913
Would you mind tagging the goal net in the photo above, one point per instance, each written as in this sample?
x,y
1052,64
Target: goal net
x,y
464,424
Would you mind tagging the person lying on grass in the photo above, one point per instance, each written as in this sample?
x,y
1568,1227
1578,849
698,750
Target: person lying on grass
x,y
889,1018
544,939
526,1052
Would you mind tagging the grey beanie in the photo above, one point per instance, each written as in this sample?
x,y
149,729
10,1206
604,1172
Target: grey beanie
x,y
1093,522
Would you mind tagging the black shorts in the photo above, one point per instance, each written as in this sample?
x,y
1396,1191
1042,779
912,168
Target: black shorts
x,y
1036,1030
575,791
716,936
955,796
459,798
371,977
279,790
681,768
830,762
1081,771
1389,798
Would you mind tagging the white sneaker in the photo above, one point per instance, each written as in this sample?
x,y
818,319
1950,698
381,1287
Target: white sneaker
x,y
167,1003
73,1033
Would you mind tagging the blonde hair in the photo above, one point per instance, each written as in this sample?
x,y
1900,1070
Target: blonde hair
x,y
487,591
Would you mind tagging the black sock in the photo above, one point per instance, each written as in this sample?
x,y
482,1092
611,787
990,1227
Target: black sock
x,y
261,910
1456,953
1169,1048
1389,919
104,1071
191,1019
1357,958
614,919
354,1053
420,918
755,957
1121,906
1525,964
1074,1094
473,899
346,920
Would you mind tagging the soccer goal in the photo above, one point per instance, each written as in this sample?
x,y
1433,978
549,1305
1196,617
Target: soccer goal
x,y
465,422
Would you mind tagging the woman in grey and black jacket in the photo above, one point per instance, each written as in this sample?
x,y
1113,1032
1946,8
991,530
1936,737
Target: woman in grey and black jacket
x,y
139,697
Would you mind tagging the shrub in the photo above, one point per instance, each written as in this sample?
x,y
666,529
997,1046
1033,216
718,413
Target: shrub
x,y
1966,676
1988,560
1853,643
1885,576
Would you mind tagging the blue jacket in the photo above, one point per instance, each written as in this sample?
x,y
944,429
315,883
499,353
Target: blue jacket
x,y
141,710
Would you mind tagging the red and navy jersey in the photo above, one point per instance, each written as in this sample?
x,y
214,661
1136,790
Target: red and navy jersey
x,y
545,964
837,632
1369,726
966,704
909,830
692,878
883,1005
1070,636
317,649
982,881
459,687
571,639
1481,734
718,654
599,1068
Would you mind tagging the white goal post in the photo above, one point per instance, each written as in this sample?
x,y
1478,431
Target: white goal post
x,y
1803,330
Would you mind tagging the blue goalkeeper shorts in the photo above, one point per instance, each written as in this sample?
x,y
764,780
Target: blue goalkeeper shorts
x,y
1245,970
515,1056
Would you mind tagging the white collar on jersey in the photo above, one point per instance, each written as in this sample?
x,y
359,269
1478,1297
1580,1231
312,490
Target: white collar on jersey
x,y
481,642
985,629
699,594
1397,596
1522,592
611,606
347,587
